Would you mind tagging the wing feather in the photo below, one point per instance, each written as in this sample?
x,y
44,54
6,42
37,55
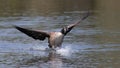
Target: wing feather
x,y
68,28
35,34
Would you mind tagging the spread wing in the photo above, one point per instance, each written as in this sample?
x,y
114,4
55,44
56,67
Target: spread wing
x,y
68,28
35,34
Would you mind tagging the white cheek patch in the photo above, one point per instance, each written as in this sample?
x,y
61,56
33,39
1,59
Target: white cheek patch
x,y
65,29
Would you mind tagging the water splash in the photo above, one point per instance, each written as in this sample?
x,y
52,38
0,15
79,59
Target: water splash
x,y
65,51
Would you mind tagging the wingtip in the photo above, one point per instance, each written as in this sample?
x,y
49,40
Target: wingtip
x,y
15,26
87,14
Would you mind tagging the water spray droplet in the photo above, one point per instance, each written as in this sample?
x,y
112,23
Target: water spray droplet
x,y
66,51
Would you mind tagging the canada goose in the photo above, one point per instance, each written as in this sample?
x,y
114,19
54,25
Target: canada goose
x,y
55,39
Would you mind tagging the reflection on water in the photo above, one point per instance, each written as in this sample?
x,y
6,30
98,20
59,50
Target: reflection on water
x,y
40,7
52,60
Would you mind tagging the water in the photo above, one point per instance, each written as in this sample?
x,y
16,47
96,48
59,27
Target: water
x,y
89,45
83,47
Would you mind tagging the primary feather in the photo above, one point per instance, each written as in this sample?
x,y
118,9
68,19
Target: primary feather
x,y
33,33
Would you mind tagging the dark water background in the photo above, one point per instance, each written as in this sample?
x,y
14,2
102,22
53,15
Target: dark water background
x,y
94,43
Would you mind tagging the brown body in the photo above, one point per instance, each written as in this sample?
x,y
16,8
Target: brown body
x,y
55,39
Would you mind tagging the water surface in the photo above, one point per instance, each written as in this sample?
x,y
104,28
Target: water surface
x,y
88,45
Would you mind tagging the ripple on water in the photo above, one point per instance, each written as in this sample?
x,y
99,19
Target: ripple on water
x,y
18,49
